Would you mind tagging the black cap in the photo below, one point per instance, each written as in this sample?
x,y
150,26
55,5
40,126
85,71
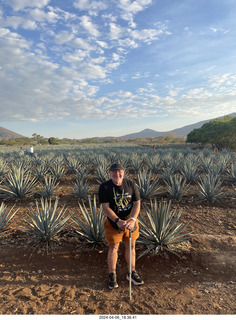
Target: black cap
x,y
116,166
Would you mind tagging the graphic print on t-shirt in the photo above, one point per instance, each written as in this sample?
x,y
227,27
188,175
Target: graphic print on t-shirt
x,y
122,200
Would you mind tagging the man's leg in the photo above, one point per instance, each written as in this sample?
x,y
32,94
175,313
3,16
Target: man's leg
x,y
135,278
133,254
113,238
112,256
112,261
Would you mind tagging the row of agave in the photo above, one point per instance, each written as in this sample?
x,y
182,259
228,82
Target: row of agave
x,y
163,172
160,229
174,176
190,163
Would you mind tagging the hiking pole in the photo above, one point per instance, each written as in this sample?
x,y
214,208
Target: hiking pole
x,y
130,265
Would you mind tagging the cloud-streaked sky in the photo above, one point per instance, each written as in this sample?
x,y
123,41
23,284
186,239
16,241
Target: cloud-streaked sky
x,y
86,68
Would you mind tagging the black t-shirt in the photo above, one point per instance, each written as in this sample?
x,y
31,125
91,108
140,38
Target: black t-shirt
x,y
120,198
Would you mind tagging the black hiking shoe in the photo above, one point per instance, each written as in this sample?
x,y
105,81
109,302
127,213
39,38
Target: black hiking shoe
x,y
135,278
112,281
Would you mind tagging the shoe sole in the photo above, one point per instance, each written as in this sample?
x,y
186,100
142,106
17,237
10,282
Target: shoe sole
x,y
113,287
134,282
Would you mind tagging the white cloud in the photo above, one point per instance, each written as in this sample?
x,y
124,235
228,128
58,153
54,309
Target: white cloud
x,y
116,32
77,56
134,6
15,22
12,38
94,71
102,44
130,8
63,37
219,30
140,75
116,57
91,28
217,81
21,4
41,15
29,25
84,44
109,16
113,65
129,43
98,60
93,7
145,35
51,79
4,32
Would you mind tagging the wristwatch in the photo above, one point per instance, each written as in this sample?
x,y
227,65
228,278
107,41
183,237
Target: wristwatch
x,y
117,219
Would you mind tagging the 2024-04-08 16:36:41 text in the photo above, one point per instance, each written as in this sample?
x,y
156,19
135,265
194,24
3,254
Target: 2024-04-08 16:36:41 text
x,y
118,317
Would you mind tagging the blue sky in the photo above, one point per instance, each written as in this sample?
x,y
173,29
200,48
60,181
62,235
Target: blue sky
x,y
87,68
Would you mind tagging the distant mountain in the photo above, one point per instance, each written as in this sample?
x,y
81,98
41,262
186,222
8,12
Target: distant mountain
x,y
184,131
180,132
146,133
6,134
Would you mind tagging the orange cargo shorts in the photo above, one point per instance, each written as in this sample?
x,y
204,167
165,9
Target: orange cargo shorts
x,y
114,236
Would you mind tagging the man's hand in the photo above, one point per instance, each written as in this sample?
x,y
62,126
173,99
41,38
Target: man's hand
x,y
130,224
122,224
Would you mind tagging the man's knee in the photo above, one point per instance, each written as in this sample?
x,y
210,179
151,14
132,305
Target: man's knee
x,y
114,246
126,243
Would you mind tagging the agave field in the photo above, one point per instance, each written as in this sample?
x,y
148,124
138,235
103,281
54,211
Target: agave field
x,y
50,200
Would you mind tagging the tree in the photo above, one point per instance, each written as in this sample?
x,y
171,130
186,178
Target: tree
x,y
52,140
37,137
220,133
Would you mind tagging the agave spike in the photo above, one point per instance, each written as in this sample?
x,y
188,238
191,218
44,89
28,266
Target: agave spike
x,y
231,172
6,216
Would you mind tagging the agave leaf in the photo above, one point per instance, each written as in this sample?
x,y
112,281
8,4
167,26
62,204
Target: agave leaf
x,y
168,229
150,217
150,248
6,216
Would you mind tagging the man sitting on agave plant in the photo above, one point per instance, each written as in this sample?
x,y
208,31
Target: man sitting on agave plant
x,y
120,200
